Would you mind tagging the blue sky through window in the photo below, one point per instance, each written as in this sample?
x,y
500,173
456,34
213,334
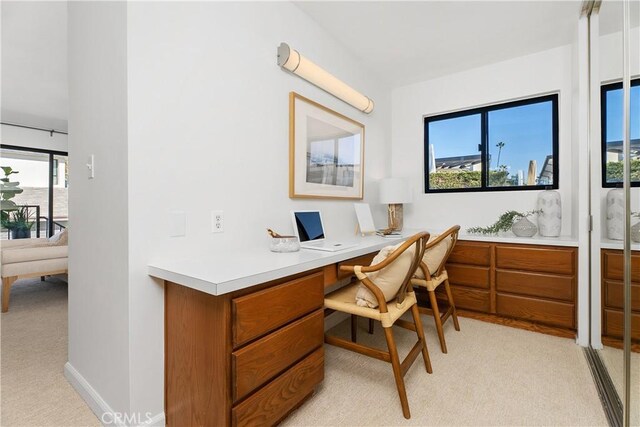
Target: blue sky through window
x,y
614,114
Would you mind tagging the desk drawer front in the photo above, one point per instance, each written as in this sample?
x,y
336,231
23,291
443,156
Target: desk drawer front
x,y
262,360
477,277
614,324
546,260
614,266
467,299
537,310
263,311
535,284
614,295
275,400
471,253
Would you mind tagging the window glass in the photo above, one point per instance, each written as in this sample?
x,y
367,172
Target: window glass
x,y
612,157
510,146
520,143
455,165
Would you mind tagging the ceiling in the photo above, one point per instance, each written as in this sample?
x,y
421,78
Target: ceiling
x,y
406,42
401,42
34,64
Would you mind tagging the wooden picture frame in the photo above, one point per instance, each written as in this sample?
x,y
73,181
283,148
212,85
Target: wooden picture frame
x,y
326,152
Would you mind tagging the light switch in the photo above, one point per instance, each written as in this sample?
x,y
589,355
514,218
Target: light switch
x,y
177,223
91,167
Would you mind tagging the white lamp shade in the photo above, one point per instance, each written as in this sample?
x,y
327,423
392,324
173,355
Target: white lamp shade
x,y
394,191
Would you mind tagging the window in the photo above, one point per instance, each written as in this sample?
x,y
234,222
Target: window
x,y
611,124
511,146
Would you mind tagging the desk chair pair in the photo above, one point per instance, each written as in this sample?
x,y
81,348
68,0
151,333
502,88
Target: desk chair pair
x,y
387,307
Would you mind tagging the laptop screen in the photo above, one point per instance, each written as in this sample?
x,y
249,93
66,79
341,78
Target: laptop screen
x,y
309,225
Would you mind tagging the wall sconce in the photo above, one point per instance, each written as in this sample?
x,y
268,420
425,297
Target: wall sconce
x,y
394,192
291,60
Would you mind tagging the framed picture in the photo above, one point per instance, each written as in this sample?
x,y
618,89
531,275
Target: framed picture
x,y
326,152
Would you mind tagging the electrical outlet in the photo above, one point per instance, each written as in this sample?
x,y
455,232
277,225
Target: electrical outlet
x,y
217,221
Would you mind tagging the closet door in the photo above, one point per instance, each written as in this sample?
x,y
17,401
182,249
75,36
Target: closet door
x,y
615,116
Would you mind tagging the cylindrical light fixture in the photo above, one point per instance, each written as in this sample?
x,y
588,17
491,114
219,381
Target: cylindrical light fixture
x,y
395,192
291,60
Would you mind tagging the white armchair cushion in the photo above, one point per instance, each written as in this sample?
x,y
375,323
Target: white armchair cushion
x,y
37,253
61,238
35,268
388,279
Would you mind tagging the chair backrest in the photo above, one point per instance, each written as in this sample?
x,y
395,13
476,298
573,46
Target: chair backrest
x,y
451,233
419,241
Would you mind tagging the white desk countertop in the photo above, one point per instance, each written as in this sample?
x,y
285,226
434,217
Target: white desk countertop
x,y
221,272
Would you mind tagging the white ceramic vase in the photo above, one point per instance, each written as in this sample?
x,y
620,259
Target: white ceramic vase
x,y
615,214
550,217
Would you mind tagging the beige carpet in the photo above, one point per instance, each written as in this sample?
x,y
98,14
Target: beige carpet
x,y
33,351
493,375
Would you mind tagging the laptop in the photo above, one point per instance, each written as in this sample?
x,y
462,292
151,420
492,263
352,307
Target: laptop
x,y
307,225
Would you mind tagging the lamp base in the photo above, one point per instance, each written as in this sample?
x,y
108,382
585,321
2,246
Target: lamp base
x,y
395,216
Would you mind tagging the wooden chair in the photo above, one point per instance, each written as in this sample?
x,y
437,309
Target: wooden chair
x,y
388,313
429,277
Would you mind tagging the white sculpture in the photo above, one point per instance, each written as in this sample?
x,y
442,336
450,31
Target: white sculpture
x,y
550,215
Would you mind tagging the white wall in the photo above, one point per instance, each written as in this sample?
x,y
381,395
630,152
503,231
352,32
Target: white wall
x,y
207,111
98,241
527,76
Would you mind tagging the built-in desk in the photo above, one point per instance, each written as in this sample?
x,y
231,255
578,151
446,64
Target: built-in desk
x,y
244,331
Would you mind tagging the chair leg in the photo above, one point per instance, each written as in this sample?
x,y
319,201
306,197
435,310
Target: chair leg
x,y
438,320
354,328
42,278
397,372
6,291
371,326
420,331
454,313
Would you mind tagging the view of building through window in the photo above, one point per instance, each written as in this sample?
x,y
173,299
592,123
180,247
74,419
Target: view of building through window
x,y
497,147
612,157
34,169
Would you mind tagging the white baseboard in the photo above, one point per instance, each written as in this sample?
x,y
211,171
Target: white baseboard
x,y
101,408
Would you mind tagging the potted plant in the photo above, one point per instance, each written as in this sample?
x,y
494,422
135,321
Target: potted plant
x,y
507,221
8,190
20,223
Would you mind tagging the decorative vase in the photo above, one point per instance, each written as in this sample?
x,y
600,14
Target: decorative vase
x,y
524,228
635,232
550,217
615,214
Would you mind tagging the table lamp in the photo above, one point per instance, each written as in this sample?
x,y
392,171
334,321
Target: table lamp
x,y
395,192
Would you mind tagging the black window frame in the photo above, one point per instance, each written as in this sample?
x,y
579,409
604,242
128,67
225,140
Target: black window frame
x,y
484,151
603,132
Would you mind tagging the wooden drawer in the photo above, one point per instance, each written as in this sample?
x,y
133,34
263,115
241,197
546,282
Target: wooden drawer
x,y
614,324
255,314
535,284
549,312
262,360
613,266
544,260
477,277
614,295
471,253
468,299
274,401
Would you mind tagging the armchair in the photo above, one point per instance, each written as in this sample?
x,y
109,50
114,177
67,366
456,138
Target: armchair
x,y
25,258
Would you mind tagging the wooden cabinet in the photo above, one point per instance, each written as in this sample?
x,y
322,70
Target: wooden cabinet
x,y
613,297
244,358
528,283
